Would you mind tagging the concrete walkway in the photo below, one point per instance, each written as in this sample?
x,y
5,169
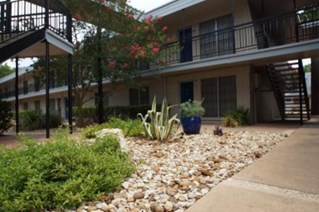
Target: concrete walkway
x,y
285,179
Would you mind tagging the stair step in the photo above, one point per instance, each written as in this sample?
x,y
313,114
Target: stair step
x,y
286,69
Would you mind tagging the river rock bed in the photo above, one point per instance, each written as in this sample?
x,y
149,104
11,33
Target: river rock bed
x,y
172,176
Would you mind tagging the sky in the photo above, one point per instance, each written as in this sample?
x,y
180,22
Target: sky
x,y
147,5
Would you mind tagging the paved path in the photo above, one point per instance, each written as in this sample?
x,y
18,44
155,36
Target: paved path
x,y
285,179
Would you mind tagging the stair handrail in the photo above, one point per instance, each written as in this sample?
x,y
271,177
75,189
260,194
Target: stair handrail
x,y
22,16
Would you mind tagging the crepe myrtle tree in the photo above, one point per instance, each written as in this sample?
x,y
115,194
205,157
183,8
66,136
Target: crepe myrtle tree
x,y
112,40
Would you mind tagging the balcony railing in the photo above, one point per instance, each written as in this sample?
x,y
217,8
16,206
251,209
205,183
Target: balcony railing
x,y
296,26
21,16
32,88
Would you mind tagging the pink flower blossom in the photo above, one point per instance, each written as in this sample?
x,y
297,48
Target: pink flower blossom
x,y
165,28
130,16
77,16
156,50
112,64
124,66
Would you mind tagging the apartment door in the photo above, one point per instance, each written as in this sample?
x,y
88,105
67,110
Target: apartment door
x,y
186,47
187,91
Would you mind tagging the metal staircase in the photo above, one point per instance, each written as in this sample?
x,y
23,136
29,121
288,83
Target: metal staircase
x,y
25,24
289,87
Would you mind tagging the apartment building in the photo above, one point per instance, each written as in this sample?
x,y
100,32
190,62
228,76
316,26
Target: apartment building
x,y
230,53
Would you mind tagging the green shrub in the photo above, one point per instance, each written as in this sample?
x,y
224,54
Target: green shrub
x,y
123,112
237,117
5,116
90,131
130,127
55,120
31,120
59,174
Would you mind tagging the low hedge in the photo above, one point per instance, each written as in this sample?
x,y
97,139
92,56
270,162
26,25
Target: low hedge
x,y
123,112
33,119
60,174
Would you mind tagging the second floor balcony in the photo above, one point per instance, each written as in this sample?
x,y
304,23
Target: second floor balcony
x,y
289,28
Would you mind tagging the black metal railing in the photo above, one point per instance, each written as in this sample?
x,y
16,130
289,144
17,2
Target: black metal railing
x,y
21,16
30,88
296,26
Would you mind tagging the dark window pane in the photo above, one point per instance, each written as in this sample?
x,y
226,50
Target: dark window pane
x,y
144,96
209,93
25,87
227,94
134,96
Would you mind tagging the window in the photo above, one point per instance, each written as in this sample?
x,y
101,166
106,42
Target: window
x,y
25,87
217,37
52,105
25,106
139,96
220,95
36,84
105,99
37,105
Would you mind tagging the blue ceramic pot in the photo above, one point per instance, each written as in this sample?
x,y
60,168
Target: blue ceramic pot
x,y
191,125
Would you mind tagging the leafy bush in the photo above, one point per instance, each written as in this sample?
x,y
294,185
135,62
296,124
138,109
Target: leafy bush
x,y
123,112
5,116
33,119
237,117
90,131
55,120
59,174
130,127
192,109
159,125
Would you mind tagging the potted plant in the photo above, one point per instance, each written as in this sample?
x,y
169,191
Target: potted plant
x,y
191,117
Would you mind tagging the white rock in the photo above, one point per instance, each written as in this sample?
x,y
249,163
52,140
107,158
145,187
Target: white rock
x,y
115,132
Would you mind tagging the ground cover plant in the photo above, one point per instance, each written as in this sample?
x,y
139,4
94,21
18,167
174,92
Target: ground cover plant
x,y
237,117
60,174
130,127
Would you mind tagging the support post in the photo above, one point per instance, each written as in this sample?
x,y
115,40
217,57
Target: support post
x,y
17,95
70,92
315,86
300,91
47,90
70,68
100,77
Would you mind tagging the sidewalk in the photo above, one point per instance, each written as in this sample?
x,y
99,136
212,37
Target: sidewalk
x,y
285,179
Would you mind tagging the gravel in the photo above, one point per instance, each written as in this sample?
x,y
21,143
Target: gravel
x,y
172,176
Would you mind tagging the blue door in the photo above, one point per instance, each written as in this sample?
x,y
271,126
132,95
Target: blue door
x,y
185,43
187,91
